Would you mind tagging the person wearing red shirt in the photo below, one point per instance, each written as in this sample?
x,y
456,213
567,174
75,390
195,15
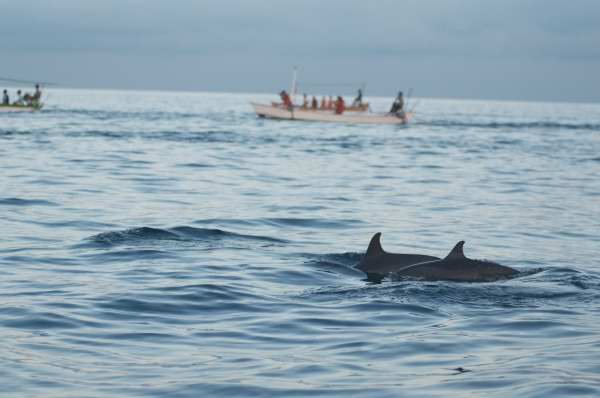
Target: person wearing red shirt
x,y
340,106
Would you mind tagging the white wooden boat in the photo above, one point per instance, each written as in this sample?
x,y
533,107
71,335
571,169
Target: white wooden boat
x,y
280,112
20,108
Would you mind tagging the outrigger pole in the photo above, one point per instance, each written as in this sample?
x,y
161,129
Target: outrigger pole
x,y
9,80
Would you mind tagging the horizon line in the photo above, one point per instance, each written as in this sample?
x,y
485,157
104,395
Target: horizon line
x,y
55,86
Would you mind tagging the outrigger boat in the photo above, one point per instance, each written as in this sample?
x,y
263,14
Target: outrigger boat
x,y
317,115
21,108
28,103
360,114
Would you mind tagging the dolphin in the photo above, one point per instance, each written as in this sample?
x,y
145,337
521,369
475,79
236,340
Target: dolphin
x,y
378,263
458,268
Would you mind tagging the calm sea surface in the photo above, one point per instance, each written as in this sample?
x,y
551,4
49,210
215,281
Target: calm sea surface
x,y
174,245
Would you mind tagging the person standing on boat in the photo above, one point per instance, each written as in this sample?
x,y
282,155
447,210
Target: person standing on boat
x,y
314,104
398,105
5,98
323,103
340,105
305,102
358,99
37,95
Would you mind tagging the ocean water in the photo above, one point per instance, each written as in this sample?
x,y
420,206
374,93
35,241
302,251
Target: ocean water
x,y
174,245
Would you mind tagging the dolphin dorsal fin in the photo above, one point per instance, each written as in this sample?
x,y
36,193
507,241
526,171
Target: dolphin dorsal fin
x,y
375,248
457,252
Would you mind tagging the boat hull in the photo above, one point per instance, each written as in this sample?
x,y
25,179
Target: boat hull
x,y
277,112
19,108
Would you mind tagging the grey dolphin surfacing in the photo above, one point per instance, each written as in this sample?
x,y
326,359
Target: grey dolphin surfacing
x,y
377,263
457,267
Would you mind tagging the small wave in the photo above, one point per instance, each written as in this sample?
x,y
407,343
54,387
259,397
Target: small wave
x,y
26,202
182,233
342,264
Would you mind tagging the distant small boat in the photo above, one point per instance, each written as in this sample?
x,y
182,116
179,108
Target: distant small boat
x,y
307,114
21,108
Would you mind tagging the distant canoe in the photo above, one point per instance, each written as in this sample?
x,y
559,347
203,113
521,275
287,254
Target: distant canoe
x,y
20,108
279,112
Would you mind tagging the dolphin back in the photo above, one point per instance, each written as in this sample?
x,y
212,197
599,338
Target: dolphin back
x,y
457,267
379,262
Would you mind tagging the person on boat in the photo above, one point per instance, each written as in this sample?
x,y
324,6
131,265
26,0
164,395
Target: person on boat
x,y
19,100
27,99
37,95
314,103
358,100
340,105
323,103
305,102
285,98
5,98
330,103
398,105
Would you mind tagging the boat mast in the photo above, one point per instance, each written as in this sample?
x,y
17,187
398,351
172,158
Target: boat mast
x,y
293,88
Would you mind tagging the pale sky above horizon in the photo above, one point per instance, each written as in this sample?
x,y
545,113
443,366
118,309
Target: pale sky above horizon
x,y
496,49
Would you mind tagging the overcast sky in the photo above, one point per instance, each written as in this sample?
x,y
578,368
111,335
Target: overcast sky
x,y
497,49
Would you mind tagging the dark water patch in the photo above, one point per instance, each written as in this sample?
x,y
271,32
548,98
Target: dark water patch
x,y
574,235
39,260
129,255
312,223
207,292
133,235
48,181
148,336
92,133
298,389
207,234
115,115
165,306
44,321
567,388
338,199
504,141
196,165
77,224
26,202
40,293
209,137
593,159
144,306
236,222
513,125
